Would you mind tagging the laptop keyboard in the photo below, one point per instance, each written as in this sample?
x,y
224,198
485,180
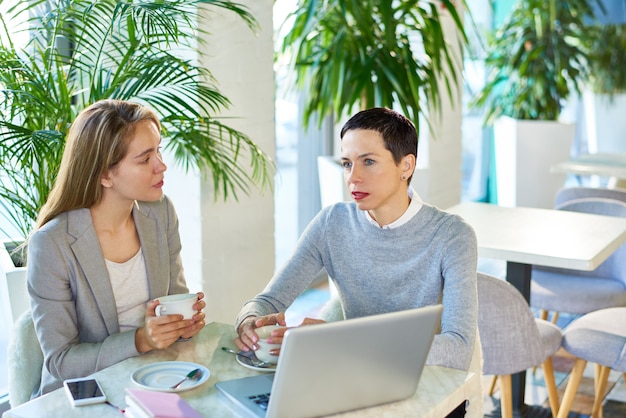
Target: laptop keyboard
x,y
262,400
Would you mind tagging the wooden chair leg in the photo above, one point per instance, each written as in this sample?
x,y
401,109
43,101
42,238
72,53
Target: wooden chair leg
x,y
506,396
543,314
601,379
553,395
572,387
492,385
597,370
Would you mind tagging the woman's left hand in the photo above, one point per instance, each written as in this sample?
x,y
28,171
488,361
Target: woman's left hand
x,y
198,318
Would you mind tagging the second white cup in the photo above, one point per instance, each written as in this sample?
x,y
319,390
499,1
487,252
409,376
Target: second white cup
x,y
181,304
263,353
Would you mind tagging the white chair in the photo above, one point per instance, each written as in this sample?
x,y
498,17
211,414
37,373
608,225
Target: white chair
x,y
598,337
25,361
513,340
579,292
567,194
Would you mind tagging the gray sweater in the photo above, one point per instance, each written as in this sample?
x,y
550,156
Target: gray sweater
x,y
430,259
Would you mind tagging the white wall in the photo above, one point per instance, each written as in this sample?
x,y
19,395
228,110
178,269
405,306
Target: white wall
x,y
438,178
228,247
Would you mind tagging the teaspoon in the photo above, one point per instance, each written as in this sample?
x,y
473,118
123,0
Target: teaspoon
x,y
195,374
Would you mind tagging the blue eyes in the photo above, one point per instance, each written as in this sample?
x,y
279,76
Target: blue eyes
x,y
366,162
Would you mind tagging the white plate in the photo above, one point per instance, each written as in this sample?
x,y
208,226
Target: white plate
x,y
161,376
258,369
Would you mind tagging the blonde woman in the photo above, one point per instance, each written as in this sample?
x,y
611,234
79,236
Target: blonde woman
x,y
105,245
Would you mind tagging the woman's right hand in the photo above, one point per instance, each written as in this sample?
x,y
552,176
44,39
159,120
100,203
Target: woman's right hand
x,y
159,332
247,338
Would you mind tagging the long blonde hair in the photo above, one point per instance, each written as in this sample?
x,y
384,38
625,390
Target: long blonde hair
x,y
98,139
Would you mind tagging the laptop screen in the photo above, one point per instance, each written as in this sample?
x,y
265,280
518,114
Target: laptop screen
x,y
340,366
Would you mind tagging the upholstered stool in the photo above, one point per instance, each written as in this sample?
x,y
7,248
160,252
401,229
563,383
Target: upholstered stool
x,y
598,337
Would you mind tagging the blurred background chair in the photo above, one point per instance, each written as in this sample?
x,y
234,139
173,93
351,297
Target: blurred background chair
x,y
576,291
567,194
25,361
598,337
513,340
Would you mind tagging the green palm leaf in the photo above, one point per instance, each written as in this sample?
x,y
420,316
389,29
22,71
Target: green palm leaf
x,y
536,60
83,51
355,54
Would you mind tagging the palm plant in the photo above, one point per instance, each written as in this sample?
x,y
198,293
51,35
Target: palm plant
x,y
607,66
349,53
82,51
536,60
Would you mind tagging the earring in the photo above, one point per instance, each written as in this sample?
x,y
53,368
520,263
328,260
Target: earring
x,y
403,177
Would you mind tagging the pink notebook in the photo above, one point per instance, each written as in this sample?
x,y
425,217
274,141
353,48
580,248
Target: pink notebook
x,y
154,404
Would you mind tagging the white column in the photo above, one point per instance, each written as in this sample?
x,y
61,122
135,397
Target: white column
x,y
228,247
438,177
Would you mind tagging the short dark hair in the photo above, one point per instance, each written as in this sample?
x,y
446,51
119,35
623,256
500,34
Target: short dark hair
x,y
399,134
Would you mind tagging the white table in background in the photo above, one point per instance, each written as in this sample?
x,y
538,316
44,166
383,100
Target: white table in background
x,y
439,392
603,165
524,237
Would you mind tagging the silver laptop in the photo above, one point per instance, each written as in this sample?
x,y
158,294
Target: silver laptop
x,y
341,366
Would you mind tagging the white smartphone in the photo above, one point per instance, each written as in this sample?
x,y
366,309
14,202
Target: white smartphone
x,y
84,391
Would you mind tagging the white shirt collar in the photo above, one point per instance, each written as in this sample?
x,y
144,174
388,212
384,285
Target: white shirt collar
x,y
415,205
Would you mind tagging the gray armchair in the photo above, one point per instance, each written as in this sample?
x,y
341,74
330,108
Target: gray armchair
x,y
25,361
598,337
567,194
579,292
513,340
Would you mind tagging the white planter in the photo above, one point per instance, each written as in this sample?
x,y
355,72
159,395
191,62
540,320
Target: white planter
x,y
524,152
13,291
606,122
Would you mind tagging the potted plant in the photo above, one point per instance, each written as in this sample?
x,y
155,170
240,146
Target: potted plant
x,y
535,61
82,51
605,96
349,55
13,292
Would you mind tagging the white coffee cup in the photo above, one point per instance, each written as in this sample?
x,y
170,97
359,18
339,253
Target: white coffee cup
x,y
263,353
181,304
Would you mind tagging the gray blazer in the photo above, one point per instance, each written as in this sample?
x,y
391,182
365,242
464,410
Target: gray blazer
x,y
72,301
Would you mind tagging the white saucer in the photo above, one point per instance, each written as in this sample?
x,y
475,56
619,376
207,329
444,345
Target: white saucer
x,y
270,369
163,375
